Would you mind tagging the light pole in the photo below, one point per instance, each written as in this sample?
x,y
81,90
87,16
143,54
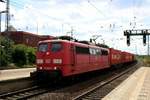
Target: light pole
x,y
7,15
0,22
37,27
63,28
0,18
148,46
1,14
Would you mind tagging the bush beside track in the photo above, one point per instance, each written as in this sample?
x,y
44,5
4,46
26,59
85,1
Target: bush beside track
x,y
145,59
15,56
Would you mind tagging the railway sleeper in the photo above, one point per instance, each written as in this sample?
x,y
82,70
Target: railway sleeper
x,y
90,98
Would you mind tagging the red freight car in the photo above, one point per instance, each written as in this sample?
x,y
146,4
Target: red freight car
x,y
70,58
127,57
130,57
115,57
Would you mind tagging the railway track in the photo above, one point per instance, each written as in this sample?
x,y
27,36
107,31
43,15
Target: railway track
x,y
97,92
23,94
103,88
16,84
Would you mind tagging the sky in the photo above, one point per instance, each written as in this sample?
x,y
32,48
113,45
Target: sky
x,y
106,18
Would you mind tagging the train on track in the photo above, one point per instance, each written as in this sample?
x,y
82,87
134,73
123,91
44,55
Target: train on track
x,y
63,58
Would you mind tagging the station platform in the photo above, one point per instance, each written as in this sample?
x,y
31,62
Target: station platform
x,y
135,87
15,73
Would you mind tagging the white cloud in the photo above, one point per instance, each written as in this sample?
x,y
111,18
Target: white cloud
x,y
2,6
105,17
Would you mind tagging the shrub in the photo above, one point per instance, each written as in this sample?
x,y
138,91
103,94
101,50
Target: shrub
x,y
23,55
6,49
3,57
31,55
19,55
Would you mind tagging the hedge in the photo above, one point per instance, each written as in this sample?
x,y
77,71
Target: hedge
x,y
18,54
23,55
6,49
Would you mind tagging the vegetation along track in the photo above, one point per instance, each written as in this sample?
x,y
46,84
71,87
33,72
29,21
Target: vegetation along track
x,y
103,88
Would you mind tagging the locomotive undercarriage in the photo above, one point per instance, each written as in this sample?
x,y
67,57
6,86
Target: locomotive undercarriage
x,y
41,75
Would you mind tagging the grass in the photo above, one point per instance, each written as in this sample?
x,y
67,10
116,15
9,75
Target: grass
x,y
145,60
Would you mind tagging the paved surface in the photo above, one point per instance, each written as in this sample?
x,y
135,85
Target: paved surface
x,y
15,73
136,87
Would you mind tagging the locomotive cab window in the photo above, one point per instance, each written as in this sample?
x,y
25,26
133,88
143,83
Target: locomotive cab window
x,y
43,47
55,47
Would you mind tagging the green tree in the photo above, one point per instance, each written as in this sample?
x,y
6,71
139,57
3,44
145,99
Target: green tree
x,y
19,55
6,49
31,55
23,55
3,57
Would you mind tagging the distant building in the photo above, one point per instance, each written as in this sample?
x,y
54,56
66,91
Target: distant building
x,y
11,28
29,39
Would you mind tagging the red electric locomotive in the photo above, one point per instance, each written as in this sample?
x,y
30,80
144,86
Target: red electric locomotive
x,y
62,58
66,58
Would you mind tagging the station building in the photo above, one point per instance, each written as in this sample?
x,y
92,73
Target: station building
x,y
27,38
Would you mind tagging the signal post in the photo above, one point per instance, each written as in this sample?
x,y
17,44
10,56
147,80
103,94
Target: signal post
x,y
143,32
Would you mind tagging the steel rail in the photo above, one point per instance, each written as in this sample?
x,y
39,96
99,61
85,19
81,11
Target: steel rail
x,y
24,93
101,84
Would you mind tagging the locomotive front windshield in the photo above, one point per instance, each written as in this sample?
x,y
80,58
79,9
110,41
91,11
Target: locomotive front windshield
x,y
55,47
43,47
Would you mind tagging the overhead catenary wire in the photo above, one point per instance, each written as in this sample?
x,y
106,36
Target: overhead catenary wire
x,y
96,8
136,5
14,4
2,1
35,10
111,25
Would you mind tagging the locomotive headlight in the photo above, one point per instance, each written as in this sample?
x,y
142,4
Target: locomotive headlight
x,y
57,61
39,61
40,68
47,53
55,68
